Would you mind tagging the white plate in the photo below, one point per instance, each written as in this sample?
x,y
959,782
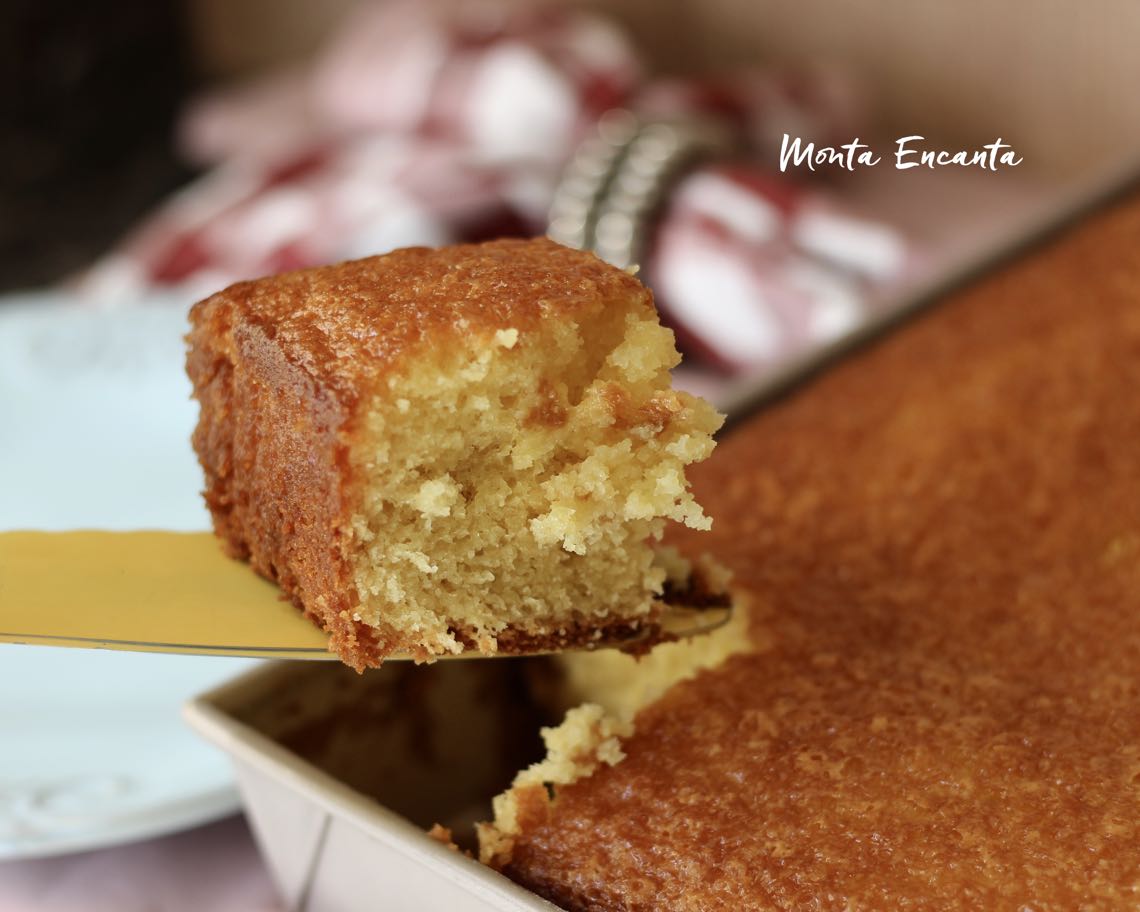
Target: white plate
x,y
94,752
95,419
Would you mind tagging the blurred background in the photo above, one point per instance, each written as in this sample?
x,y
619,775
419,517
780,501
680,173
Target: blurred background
x,y
182,146
151,153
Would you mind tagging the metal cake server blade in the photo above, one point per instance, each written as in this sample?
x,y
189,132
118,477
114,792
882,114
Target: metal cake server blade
x,y
177,592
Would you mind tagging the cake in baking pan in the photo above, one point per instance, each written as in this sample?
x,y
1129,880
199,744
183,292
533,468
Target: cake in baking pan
x,y
434,451
937,704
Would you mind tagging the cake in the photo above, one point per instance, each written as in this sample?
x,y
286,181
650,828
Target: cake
x,y
939,703
434,451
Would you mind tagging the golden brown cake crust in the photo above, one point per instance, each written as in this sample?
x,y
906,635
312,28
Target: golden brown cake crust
x,y
273,452
347,325
280,366
942,537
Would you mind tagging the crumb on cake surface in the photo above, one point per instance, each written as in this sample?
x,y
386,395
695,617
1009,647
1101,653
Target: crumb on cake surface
x,y
587,738
601,694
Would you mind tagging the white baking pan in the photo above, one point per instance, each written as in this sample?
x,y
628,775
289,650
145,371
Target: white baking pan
x,y
335,846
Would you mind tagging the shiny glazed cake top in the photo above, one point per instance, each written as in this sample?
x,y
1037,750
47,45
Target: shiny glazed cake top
x,y
942,537
347,324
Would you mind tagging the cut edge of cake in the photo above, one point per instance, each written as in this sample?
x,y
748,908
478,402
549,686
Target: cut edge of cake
x,y
604,692
552,454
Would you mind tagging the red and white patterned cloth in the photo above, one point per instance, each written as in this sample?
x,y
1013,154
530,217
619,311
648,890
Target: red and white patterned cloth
x,y
419,126
755,270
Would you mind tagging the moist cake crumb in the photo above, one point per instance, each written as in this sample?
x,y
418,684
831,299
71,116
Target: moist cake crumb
x,y
440,450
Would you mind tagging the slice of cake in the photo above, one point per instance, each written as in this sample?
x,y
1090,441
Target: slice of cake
x,y
440,450
940,709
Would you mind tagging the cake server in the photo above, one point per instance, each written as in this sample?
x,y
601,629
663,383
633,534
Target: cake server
x,y
177,592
